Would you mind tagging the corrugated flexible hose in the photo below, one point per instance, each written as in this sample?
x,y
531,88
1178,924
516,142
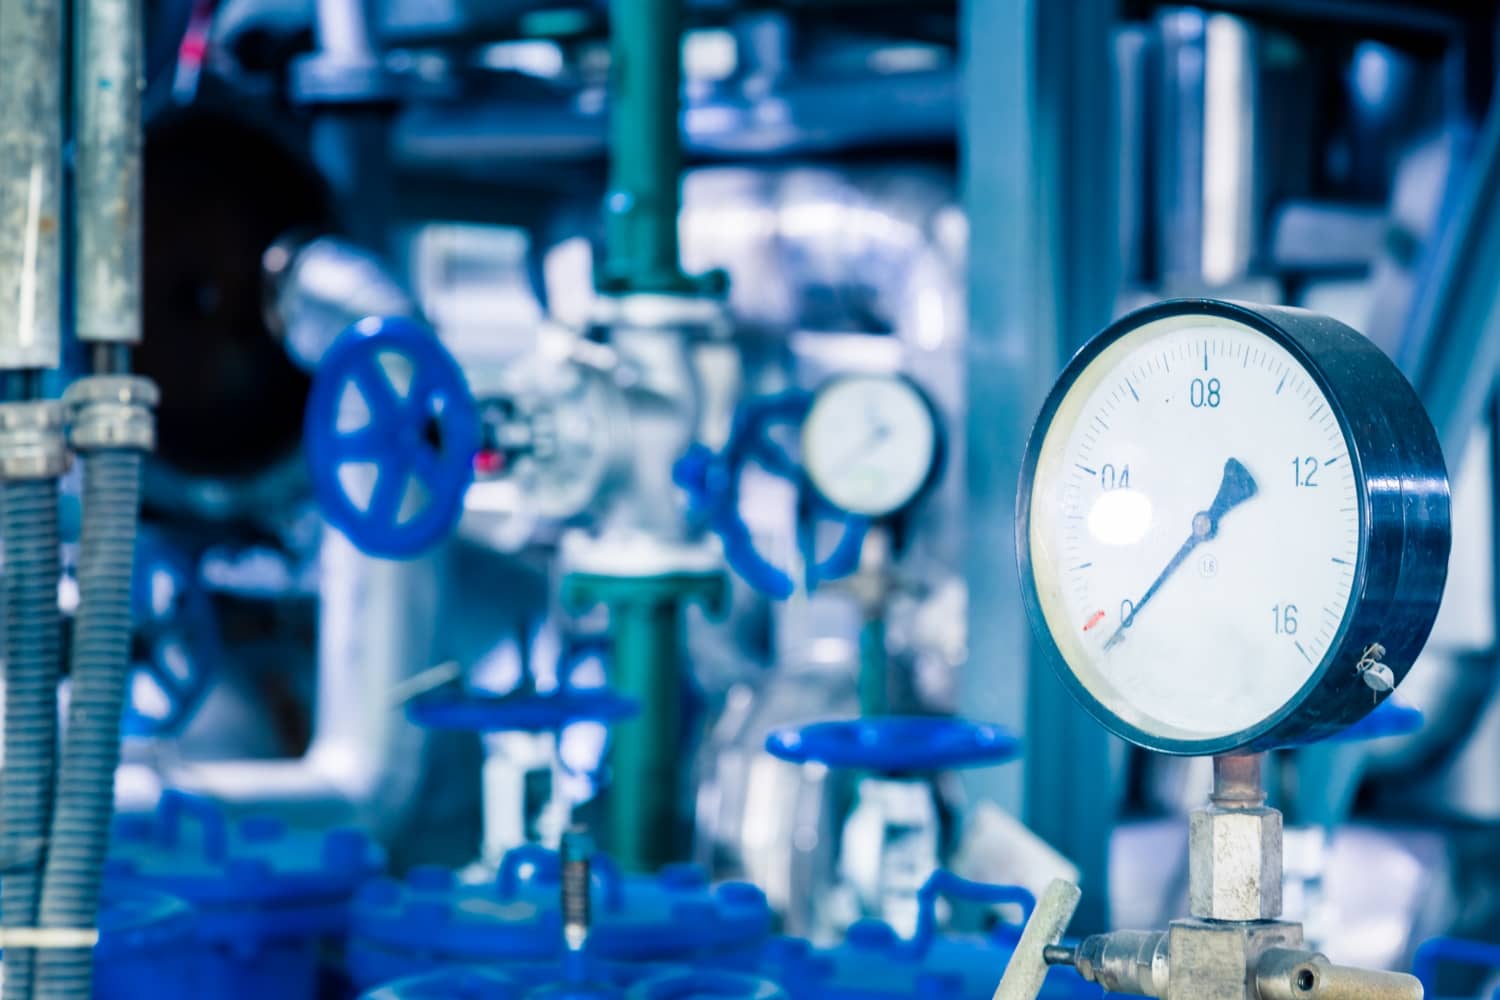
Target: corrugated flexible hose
x,y
33,641
91,748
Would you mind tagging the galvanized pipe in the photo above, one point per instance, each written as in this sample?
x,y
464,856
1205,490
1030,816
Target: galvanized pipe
x,y
32,452
111,423
108,170
30,183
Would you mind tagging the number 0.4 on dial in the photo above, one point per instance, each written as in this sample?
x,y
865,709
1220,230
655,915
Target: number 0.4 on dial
x,y
1196,521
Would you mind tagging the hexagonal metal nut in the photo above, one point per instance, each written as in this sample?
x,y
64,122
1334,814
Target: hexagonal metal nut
x,y
1234,864
1216,961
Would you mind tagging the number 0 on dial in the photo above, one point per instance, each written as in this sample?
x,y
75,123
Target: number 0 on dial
x,y
1228,516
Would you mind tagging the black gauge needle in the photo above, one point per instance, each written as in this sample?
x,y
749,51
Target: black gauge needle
x,y
1236,486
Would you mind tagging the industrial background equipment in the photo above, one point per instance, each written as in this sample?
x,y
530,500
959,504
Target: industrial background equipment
x,y
518,498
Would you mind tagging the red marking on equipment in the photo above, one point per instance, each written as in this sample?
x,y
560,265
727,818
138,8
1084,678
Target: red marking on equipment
x,y
489,462
1094,619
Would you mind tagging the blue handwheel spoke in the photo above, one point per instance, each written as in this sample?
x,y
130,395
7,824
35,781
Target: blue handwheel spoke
x,y
173,687
390,489
364,445
374,385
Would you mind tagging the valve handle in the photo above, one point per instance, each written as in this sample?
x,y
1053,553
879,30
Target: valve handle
x,y
391,432
1026,970
895,744
712,482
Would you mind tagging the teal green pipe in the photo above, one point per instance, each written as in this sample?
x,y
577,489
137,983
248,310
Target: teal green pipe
x,y
647,811
874,673
645,149
647,825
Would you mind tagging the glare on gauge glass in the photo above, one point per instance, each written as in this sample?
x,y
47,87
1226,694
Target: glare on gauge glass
x,y
1195,527
869,443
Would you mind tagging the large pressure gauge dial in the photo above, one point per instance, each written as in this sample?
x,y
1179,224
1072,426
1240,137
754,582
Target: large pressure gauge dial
x,y
1233,526
870,443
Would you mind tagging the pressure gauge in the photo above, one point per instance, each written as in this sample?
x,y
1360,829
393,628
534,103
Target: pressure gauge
x,y
1233,526
870,443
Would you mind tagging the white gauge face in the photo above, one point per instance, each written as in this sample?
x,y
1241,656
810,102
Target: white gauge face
x,y
869,443
1195,528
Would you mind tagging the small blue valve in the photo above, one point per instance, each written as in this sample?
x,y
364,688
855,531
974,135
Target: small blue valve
x,y
1390,718
712,482
391,433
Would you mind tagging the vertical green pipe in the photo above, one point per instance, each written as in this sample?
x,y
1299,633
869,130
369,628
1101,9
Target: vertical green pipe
x,y
874,676
644,148
646,811
646,823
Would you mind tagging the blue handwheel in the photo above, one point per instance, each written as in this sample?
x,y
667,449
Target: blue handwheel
x,y
712,482
176,645
391,432
531,713
895,744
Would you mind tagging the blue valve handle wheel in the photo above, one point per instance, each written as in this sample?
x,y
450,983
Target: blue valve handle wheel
x,y
712,482
896,744
391,432
475,712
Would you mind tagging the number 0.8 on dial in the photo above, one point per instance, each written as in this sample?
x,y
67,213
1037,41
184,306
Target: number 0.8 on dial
x,y
1200,497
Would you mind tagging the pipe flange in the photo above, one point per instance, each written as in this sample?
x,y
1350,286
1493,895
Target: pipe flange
x,y
700,316
112,411
32,443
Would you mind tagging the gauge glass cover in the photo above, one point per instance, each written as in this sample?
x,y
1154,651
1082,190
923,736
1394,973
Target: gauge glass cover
x,y
869,443
1195,527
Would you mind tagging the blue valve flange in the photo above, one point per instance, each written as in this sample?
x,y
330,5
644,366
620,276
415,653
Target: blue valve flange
x,y
712,481
391,432
896,744
531,713
1391,718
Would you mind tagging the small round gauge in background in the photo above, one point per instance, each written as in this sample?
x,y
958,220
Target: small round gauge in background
x,y
870,443
1233,526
